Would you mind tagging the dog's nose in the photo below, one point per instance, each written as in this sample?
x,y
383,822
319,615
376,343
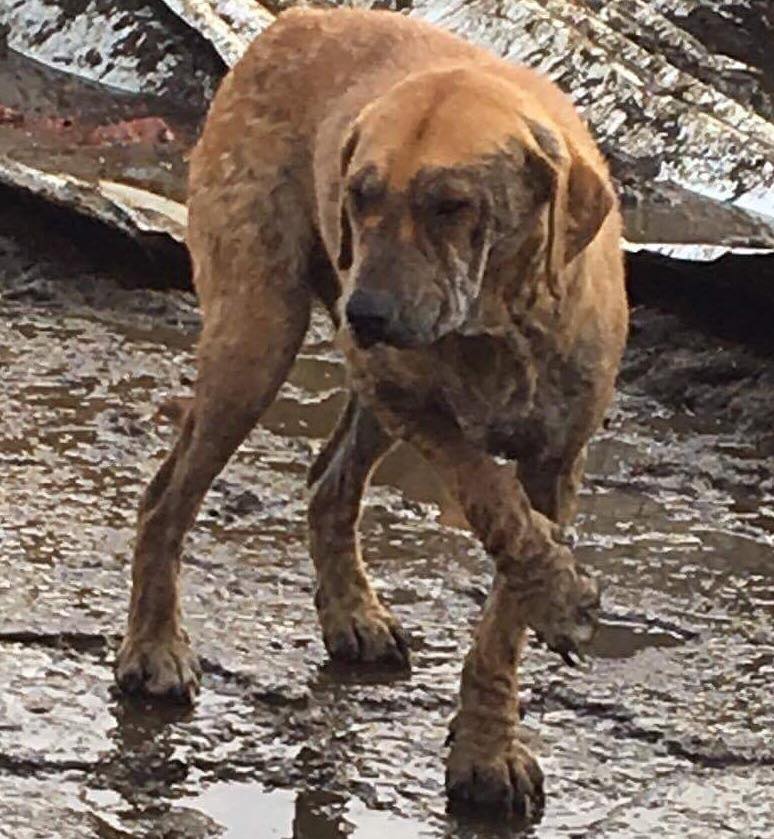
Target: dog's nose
x,y
370,314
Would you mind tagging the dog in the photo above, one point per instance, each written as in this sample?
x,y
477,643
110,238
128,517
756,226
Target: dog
x,y
453,214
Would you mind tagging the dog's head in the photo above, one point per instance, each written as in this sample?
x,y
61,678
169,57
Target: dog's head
x,y
445,170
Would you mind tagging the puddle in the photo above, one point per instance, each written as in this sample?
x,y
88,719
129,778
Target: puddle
x,y
667,731
247,809
623,639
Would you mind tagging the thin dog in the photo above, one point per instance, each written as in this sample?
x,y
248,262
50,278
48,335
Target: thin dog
x,y
455,217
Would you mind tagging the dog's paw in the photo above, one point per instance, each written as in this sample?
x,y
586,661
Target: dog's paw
x,y
161,668
366,634
503,782
569,615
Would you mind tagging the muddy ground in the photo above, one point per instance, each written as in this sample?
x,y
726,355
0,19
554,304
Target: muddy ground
x,y
667,731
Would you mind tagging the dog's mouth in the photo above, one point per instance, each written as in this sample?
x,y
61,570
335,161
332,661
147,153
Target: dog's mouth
x,y
367,335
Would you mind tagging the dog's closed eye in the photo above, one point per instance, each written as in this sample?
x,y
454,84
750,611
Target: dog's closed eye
x,y
365,189
449,207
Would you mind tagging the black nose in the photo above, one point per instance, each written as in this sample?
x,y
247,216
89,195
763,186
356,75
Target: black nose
x,y
370,314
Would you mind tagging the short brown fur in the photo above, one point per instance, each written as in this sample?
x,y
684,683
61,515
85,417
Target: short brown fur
x,y
454,214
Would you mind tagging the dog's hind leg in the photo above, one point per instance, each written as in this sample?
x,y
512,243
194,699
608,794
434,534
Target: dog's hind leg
x,y
552,486
255,298
241,366
242,363
356,626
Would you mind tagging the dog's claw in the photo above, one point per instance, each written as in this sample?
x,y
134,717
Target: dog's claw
x,y
401,643
571,622
568,659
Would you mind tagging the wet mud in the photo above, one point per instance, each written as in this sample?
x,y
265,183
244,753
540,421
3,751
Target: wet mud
x,y
667,731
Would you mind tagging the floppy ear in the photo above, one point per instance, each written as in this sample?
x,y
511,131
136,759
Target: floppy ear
x,y
579,201
344,261
589,200
545,164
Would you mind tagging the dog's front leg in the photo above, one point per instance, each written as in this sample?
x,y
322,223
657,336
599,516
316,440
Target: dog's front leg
x,y
356,626
537,585
555,597
489,765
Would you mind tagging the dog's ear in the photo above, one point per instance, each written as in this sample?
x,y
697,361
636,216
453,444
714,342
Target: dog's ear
x,y
545,165
344,261
589,200
579,201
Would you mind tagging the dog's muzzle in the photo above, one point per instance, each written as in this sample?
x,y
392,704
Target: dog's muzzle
x,y
372,317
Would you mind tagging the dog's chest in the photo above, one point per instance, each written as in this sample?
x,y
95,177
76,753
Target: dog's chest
x,y
485,384
506,399
512,403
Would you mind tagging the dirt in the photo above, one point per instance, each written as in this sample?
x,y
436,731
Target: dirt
x,y
667,730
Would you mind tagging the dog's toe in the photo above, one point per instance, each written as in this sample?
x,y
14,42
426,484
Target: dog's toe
x,y
130,679
366,636
163,669
568,615
382,644
502,784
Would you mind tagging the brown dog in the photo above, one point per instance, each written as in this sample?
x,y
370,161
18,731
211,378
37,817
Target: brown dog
x,y
454,215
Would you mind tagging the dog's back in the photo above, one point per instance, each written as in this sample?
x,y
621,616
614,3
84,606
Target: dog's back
x,y
308,59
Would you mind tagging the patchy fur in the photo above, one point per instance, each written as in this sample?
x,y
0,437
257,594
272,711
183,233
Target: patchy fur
x,y
454,215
